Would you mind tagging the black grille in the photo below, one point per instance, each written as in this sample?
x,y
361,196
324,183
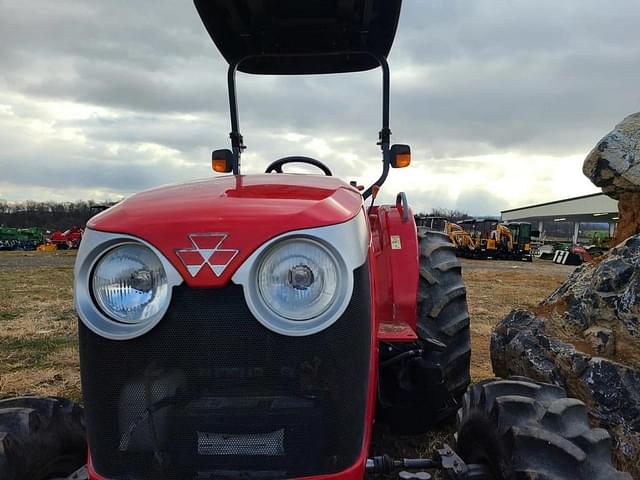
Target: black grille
x,y
211,393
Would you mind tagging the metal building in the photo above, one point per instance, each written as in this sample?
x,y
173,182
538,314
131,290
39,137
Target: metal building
x,y
579,219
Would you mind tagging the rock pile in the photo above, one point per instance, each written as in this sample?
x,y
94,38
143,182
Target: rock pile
x,y
614,165
586,337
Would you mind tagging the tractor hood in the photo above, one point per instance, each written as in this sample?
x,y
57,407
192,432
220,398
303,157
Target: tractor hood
x,y
228,214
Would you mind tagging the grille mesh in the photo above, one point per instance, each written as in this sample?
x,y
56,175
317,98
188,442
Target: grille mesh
x,y
270,444
210,392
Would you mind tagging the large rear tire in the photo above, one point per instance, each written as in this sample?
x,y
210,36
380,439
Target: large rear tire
x,y
40,438
442,308
523,429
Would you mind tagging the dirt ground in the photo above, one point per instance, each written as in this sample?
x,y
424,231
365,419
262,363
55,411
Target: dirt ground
x,y
38,344
494,288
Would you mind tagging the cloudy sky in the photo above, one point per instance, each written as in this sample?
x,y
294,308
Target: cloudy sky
x,y
500,100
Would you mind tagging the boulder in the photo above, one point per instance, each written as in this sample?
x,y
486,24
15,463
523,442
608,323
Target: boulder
x,y
614,165
586,337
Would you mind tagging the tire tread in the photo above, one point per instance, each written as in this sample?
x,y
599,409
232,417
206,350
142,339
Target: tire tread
x,y
34,432
442,308
541,433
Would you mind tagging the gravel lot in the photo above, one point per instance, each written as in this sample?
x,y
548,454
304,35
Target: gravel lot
x,y
539,266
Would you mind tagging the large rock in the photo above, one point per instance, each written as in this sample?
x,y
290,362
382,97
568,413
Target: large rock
x,y
601,296
629,213
614,165
586,337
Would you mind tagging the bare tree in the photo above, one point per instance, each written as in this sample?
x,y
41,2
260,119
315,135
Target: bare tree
x,y
47,215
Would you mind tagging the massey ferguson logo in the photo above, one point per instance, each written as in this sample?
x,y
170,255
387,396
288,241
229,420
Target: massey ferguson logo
x,y
207,250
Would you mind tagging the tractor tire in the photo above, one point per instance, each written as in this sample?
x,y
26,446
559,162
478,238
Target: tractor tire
x,y
521,429
41,438
442,309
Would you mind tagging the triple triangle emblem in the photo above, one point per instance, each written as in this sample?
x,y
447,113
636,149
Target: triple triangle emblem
x,y
207,250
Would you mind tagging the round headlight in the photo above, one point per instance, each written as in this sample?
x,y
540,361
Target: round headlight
x,y
129,284
298,279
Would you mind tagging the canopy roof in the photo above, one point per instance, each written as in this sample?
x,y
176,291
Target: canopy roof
x,y
290,37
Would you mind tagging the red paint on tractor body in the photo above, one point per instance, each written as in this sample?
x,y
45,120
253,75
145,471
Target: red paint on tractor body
x,y
249,210
395,246
396,332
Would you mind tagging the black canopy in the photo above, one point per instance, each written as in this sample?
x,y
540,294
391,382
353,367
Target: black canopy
x,y
286,37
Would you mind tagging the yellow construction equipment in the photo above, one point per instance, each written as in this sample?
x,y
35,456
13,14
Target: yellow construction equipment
x,y
47,247
484,237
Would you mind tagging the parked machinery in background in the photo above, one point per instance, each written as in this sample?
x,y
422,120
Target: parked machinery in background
x,y
472,237
437,224
513,241
484,237
567,254
69,239
30,239
465,244
481,231
20,238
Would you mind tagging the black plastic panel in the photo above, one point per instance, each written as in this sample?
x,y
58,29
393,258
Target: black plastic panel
x,y
211,393
301,36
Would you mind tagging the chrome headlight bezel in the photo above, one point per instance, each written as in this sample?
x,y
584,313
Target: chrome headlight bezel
x,y
95,245
347,243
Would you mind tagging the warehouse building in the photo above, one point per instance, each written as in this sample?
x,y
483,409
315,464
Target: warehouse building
x,y
582,220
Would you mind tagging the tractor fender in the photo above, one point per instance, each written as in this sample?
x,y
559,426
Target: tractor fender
x,y
395,249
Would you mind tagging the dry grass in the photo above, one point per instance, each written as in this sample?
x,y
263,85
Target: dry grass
x,y
493,293
38,348
38,342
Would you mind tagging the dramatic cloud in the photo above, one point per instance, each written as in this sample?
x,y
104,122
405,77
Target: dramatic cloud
x,y
500,100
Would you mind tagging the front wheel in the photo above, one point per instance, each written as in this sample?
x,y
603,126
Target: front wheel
x,y
40,438
442,309
524,429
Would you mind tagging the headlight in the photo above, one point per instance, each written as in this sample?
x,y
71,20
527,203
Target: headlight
x,y
296,286
129,284
298,279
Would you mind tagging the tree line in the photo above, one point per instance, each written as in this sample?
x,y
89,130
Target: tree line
x,y
64,215
47,215
452,215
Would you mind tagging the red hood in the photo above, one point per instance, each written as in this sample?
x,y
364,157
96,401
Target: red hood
x,y
249,209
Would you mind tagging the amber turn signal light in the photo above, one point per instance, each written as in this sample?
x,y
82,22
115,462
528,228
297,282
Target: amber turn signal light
x,y
221,161
400,156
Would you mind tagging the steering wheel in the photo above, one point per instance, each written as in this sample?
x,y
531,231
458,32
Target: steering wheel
x,y
277,165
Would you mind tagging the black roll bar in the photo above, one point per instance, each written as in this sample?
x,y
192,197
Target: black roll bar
x,y
384,136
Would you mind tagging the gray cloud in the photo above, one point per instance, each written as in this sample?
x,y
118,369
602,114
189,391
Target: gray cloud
x,y
469,78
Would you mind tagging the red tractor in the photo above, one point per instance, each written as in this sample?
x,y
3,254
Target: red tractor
x,y
69,239
254,326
